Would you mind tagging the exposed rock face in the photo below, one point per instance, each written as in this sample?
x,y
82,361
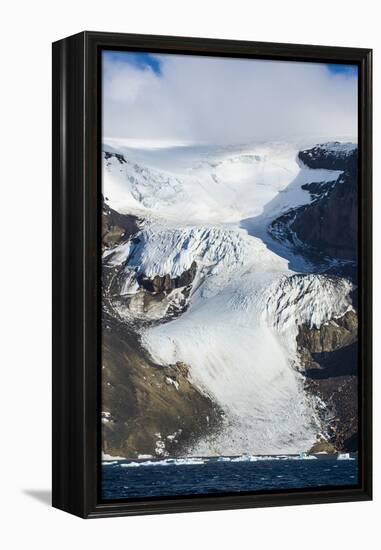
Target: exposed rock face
x,y
318,189
147,408
336,334
116,227
322,447
340,395
155,298
330,156
118,156
165,283
329,356
328,225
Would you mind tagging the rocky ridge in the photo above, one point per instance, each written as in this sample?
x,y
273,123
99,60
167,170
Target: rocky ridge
x,y
328,225
328,355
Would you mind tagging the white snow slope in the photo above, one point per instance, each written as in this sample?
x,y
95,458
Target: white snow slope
x,y
202,185
238,335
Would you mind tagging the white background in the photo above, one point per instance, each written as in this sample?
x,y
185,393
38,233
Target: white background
x,y
27,29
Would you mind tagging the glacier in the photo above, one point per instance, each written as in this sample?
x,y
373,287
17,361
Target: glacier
x,y
205,185
237,335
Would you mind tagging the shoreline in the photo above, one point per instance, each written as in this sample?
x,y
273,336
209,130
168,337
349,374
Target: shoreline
x,y
230,458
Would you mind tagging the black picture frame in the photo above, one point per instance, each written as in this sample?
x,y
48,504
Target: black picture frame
x,y
76,271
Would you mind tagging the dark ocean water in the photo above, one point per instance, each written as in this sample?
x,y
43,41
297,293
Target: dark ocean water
x,y
126,479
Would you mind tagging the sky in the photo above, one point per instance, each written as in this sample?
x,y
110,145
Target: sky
x,y
183,99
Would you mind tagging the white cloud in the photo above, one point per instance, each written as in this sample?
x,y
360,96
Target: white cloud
x,y
223,100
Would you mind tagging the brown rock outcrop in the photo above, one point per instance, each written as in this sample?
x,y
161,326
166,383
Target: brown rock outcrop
x,y
148,408
116,227
329,356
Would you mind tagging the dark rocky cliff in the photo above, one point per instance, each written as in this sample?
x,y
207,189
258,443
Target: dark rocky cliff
x,y
166,283
116,227
328,225
330,156
329,356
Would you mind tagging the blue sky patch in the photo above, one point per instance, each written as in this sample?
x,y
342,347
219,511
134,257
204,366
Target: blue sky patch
x,y
140,60
341,68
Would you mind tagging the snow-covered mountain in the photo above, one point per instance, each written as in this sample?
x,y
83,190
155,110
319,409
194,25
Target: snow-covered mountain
x,y
206,185
200,251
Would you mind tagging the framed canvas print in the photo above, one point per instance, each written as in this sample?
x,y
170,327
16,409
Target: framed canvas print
x,y
211,274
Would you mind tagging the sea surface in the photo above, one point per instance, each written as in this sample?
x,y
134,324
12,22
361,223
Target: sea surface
x,y
160,478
